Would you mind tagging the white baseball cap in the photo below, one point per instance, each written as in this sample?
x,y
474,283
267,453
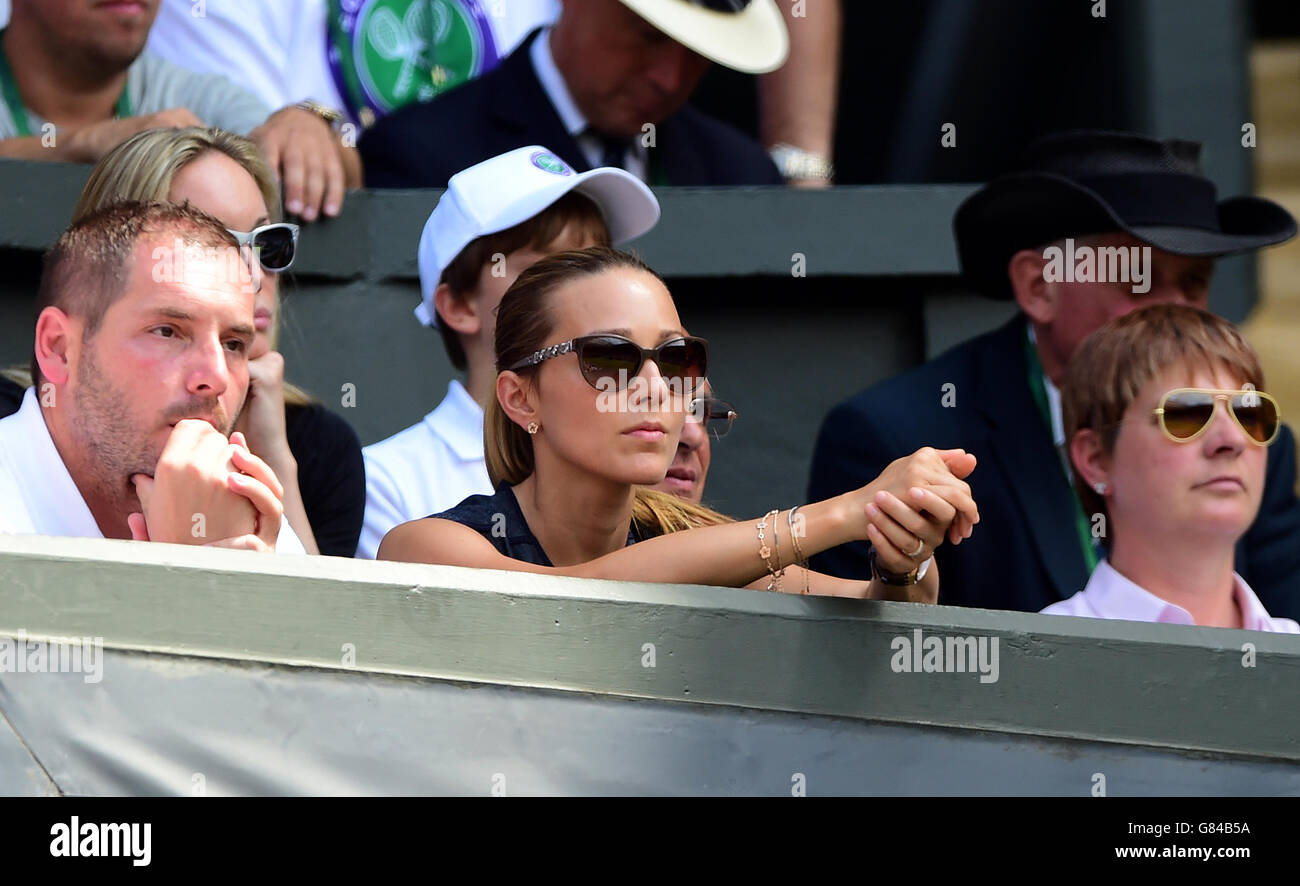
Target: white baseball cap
x,y
510,188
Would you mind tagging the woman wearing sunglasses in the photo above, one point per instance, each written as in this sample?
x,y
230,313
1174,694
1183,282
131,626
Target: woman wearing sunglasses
x,y
314,453
1168,424
595,379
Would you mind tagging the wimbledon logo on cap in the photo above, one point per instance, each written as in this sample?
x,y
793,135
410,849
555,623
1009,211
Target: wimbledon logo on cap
x,y
548,162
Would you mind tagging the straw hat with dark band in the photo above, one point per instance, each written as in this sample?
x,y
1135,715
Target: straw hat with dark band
x,y
746,35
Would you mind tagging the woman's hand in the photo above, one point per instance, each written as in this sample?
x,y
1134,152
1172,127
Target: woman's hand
x,y
263,424
905,535
936,471
264,411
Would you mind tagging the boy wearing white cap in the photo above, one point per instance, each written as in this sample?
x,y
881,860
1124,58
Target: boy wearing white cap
x,y
496,219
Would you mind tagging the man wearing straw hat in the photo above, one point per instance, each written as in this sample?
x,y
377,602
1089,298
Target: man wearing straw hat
x,y
607,85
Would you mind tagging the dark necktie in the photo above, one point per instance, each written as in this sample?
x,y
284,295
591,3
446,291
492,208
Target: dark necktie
x,y
613,151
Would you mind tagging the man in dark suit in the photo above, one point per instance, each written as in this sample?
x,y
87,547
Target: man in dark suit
x,y
605,86
1025,236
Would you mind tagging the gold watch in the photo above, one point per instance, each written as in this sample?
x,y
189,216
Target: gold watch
x,y
329,115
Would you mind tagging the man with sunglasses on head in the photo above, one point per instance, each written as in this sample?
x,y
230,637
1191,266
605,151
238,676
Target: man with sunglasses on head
x,y
139,371
1134,222
495,219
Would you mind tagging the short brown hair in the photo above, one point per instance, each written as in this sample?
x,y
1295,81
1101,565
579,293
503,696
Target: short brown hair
x,y
538,232
87,268
1116,361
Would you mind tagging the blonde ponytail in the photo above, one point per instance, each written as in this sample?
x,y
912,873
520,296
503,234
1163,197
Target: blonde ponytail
x,y
658,513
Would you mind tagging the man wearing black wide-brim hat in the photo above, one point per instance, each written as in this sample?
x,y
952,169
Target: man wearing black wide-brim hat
x,y
1093,225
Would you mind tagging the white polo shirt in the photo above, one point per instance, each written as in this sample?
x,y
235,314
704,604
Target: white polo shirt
x,y
425,469
38,495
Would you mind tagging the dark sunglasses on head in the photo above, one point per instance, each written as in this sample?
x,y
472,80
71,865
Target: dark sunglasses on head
x,y
1185,413
274,245
617,359
716,415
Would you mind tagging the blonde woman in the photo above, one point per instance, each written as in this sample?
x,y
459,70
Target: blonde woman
x,y
590,402
314,453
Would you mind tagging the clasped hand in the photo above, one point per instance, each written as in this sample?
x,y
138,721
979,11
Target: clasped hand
x,y
915,503
208,490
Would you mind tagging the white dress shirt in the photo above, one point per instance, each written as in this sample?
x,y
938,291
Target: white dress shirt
x,y
37,494
634,159
1109,594
425,469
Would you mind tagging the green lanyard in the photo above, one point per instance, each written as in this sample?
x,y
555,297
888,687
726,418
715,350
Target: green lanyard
x,y
13,98
658,178
1039,390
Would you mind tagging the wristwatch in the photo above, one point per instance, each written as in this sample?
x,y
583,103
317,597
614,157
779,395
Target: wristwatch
x,y
329,115
893,578
796,164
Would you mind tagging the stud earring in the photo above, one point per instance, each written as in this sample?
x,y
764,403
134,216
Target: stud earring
x,y
1099,487
533,427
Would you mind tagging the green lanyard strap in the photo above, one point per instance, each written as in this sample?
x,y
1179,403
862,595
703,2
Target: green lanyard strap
x,y
14,99
1039,390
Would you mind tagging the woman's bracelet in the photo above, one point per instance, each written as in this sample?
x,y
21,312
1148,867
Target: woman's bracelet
x,y
794,541
763,550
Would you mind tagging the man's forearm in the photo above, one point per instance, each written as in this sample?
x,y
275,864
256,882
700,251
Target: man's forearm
x,y
797,102
33,147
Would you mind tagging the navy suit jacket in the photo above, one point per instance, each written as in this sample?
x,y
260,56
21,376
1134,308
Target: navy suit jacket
x,y
423,145
1025,552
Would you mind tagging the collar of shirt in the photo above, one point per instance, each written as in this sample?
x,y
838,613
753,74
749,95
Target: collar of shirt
x,y
1053,403
458,421
1109,594
48,498
575,123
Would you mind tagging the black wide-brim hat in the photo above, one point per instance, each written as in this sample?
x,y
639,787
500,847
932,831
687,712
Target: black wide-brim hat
x,y
1074,184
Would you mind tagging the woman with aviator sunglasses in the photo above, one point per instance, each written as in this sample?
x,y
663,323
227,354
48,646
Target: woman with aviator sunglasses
x,y
595,379
1168,427
313,452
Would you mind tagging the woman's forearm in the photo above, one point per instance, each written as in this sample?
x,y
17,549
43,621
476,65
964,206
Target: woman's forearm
x,y
295,511
726,555
819,583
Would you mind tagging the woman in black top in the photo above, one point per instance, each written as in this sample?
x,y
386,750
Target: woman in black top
x,y
595,376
